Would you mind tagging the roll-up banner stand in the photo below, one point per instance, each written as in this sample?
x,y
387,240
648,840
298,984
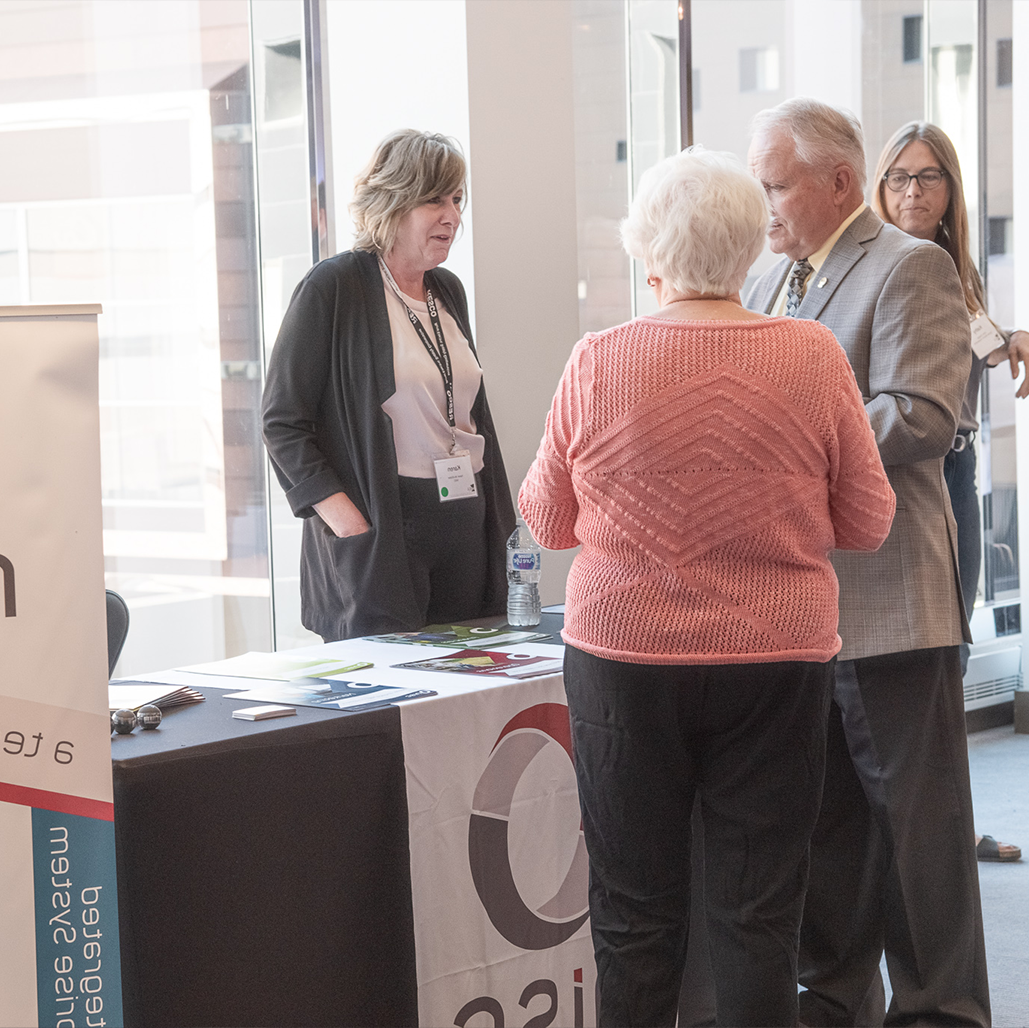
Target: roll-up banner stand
x,y
60,963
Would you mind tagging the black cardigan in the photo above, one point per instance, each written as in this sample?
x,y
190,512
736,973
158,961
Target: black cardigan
x,y
329,374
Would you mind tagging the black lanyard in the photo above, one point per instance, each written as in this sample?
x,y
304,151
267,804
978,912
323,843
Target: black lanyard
x,y
439,353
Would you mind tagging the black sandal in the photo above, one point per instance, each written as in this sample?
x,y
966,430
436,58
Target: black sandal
x,y
989,849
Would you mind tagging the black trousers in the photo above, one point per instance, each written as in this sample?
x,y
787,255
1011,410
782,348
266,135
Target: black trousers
x,y
893,862
749,739
446,551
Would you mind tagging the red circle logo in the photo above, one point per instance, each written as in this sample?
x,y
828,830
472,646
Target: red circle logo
x,y
561,916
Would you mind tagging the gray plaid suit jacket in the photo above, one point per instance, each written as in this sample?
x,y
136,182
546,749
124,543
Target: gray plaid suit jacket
x,y
895,304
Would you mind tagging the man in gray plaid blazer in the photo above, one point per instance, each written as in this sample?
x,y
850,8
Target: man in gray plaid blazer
x,y
893,862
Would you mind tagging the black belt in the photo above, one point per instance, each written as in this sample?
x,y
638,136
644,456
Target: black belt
x,y
963,440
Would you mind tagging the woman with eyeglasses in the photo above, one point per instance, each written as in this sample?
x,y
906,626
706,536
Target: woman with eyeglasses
x,y
920,191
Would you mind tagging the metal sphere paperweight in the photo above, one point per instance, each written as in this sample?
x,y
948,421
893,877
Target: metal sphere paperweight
x,y
149,716
123,721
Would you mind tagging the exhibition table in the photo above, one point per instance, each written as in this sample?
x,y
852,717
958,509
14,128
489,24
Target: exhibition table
x,y
265,868
263,876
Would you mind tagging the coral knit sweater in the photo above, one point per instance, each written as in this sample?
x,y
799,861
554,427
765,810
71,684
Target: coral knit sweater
x,y
707,468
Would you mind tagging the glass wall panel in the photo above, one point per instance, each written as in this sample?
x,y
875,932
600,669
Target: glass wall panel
x,y
727,92
998,450
953,91
893,71
601,163
973,105
126,178
281,133
864,55
653,104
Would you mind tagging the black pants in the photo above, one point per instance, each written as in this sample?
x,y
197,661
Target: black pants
x,y
446,551
893,862
750,740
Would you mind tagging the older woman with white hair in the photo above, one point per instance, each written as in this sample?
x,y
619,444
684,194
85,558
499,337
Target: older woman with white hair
x,y
375,413
707,459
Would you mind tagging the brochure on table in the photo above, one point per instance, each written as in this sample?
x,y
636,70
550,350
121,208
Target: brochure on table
x,y
382,656
330,695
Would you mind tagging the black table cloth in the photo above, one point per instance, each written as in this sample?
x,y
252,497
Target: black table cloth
x,y
263,870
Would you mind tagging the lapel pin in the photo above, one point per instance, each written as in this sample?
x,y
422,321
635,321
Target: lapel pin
x,y
821,282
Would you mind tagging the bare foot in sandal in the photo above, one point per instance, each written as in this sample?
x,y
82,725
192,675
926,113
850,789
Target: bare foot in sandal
x,y
987,848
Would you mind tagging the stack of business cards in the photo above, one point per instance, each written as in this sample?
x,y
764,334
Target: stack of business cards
x,y
265,710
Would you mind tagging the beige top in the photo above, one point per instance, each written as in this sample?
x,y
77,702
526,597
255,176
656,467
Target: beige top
x,y
418,409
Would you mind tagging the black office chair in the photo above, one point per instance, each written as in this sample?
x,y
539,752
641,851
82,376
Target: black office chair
x,y
117,628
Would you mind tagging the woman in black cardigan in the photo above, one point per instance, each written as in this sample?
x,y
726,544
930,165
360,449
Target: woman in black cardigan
x,y
375,414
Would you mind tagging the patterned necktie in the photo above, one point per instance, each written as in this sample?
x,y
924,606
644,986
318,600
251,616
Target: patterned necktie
x,y
795,286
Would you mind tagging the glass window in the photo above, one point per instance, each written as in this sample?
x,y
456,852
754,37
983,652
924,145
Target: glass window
x,y
601,163
654,111
283,80
285,247
912,38
1001,232
759,69
126,148
997,444
1003,63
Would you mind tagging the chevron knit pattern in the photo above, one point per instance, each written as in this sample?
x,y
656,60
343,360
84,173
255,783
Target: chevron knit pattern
x,y
707,469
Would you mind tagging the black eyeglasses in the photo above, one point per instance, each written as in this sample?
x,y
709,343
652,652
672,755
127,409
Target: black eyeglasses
x,y
928,178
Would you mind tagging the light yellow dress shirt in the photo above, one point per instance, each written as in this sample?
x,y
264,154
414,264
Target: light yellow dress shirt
x,y
816,260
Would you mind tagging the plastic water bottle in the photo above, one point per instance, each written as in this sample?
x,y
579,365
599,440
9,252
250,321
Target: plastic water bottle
x,y
523,575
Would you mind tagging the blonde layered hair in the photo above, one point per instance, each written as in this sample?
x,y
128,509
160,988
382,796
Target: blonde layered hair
x,y
697,221
952,233
407,169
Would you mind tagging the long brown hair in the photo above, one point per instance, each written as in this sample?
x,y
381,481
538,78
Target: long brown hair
x,y
952,234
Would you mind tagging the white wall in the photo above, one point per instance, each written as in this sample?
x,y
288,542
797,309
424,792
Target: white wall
x,y
826,56
401,64
520,86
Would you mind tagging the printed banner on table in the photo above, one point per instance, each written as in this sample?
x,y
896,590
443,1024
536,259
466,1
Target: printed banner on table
x,y
59,946
498,862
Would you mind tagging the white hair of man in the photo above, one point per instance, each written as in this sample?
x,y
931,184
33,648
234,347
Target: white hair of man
x,y
697,222
824,136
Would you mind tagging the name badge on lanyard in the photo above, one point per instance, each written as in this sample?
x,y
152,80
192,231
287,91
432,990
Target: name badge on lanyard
x,y
985,337
455,479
